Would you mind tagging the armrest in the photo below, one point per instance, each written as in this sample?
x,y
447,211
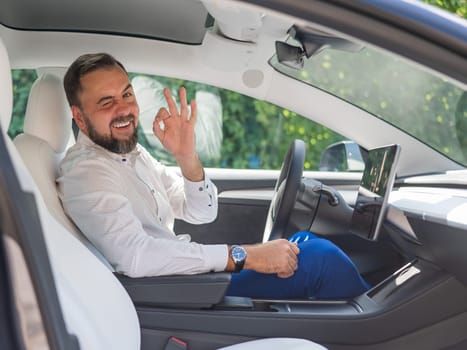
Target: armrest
x,y
188,291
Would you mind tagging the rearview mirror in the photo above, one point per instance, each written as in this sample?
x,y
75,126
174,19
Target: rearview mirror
x,y
311,42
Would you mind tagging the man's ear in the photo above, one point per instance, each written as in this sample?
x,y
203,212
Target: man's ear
x,y
78,117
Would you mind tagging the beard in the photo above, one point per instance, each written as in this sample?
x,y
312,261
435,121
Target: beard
x,y
111,143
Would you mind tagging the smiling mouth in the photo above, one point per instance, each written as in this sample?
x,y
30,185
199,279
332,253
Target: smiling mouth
x,y
121,124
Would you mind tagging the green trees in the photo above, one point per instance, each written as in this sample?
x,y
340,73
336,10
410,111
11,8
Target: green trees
x,y
262,132
22,82
459,7
255,134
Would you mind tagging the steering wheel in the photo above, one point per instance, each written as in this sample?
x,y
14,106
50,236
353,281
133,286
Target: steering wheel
x,y
285,192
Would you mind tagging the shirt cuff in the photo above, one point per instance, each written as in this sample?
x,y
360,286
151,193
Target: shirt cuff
x,y
216,256
199,186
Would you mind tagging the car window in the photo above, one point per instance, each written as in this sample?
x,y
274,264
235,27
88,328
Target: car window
x,y
234,131
415,100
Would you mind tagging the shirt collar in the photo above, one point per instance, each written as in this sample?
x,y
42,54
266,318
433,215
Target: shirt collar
x,y
128,158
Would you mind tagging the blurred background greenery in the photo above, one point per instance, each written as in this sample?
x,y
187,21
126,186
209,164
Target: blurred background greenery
x,y
459,7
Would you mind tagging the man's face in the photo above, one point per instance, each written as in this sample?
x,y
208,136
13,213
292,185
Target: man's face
x,y
109,111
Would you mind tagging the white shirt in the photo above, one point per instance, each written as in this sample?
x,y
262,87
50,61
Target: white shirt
x,y
126,206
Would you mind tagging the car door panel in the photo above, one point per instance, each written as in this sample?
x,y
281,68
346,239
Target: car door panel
x,y
244,198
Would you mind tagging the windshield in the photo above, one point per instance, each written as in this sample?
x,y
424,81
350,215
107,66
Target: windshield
x,y
414,100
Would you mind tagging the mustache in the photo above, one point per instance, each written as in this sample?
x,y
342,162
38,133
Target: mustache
x,y
123,119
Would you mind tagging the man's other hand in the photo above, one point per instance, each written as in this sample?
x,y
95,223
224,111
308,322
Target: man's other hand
x,y
278,256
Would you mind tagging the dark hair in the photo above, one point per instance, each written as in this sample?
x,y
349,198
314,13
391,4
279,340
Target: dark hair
x,y
83,65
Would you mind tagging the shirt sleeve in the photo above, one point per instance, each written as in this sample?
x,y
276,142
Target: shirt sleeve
x,y
193,202
200,202
91,193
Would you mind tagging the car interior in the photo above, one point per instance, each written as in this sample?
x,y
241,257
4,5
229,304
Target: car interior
x,y
96,299
410,250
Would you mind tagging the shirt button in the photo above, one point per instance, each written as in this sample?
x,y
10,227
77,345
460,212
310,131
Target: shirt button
x,y
200,188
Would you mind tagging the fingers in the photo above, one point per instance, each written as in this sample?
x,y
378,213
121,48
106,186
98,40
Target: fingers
x,y
174,128
291,264
183,104
171,103
194,112
162,115
295,248
278,256
293,257
289,269
158,126
173,110
285,274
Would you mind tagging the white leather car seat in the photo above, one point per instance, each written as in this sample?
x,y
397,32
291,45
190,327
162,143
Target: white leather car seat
x,y
42,145
96,307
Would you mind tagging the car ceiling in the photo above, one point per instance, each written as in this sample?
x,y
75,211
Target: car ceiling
x,y
158,19
185,21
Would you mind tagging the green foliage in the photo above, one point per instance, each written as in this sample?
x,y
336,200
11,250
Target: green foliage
x,y
402,94
256,134
459,7
22,82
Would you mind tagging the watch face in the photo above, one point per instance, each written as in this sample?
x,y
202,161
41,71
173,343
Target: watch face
x,y
238,253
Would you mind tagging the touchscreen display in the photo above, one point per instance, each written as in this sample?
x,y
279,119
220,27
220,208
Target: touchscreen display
x,y
375,187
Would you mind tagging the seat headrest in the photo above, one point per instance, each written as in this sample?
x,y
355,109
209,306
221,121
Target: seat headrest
x,y
48,115
6,89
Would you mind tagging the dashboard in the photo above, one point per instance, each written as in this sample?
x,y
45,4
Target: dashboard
x,y
431,223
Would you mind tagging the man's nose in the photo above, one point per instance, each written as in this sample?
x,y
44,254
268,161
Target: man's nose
x,y
122,107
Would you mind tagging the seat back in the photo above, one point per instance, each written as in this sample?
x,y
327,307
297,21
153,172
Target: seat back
x,y
96,307
43,143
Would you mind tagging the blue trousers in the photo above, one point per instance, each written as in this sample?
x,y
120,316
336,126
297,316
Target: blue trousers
x,y
324,272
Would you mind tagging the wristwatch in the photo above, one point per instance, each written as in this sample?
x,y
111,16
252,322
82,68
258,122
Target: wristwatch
x,y
238,255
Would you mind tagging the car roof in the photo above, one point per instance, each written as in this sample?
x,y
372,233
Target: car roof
x,y
175,20
185,21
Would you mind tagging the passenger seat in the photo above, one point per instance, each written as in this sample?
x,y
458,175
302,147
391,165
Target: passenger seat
x,y
42,145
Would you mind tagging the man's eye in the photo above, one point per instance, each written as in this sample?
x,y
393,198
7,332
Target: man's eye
x,y
127,94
